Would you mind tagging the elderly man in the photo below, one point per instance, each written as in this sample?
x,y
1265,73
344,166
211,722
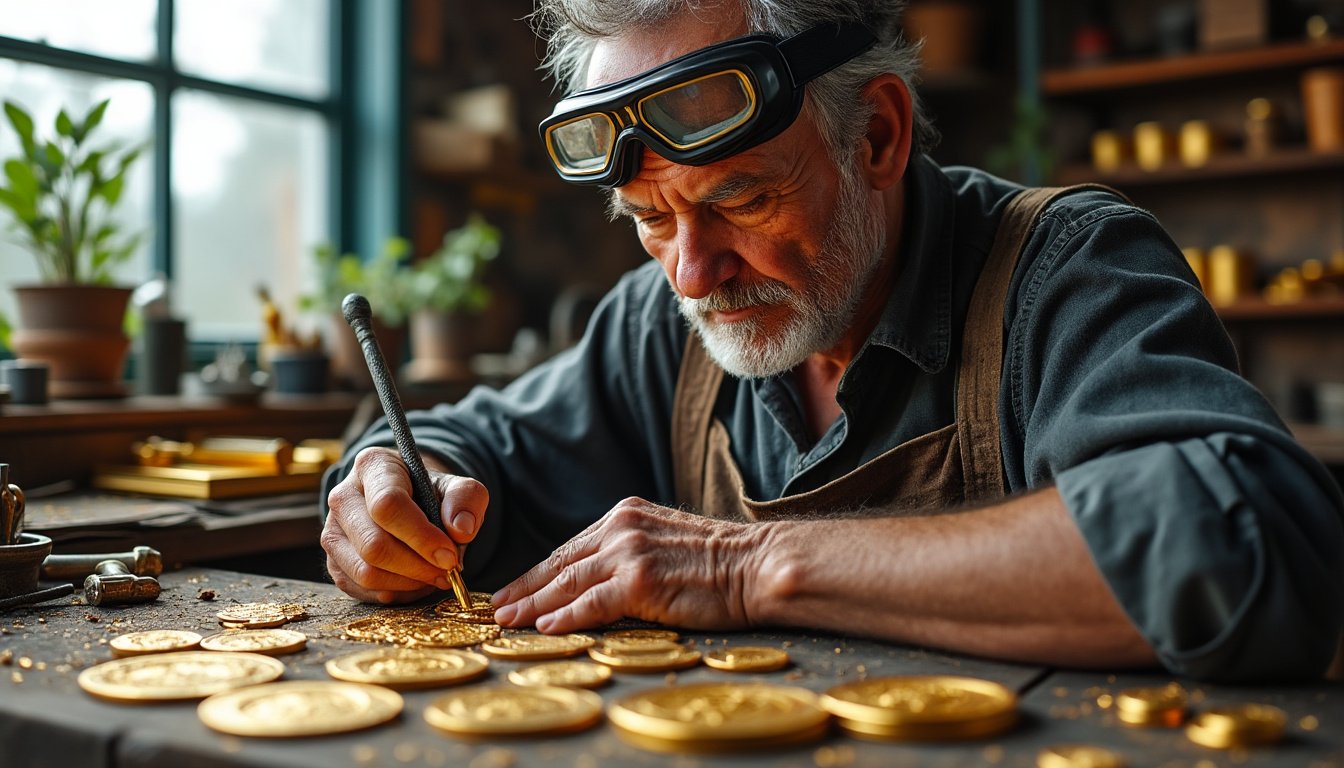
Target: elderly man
x,y
956,413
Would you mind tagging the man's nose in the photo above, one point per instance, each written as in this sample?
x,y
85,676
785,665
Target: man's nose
x,y
705,258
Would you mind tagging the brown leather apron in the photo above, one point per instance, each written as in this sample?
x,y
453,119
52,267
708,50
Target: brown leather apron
x,y
954,466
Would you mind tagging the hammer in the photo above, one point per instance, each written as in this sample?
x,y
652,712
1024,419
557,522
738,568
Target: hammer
x,y
112,583
141,561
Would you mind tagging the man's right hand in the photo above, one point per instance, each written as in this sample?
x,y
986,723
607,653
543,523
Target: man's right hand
x,y
380,547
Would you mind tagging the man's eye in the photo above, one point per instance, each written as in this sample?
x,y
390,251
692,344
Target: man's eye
x,y
650,222
751,206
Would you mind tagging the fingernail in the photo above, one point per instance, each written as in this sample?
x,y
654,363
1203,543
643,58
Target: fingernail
x,y
465,523
445,559
501,597
505,615
442,583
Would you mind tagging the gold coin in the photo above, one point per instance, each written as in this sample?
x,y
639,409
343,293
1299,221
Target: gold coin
x,y
514,710
618,646
1249,725
406,668
641,634
1160,706
177,676
747,658
478,615
478,600
1078,756
272,642
659,661
411,630
253,613
300,708
716,716
565,674
153,641
537,646
934,707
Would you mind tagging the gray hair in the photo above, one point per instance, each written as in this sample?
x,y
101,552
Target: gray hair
x,y
573,28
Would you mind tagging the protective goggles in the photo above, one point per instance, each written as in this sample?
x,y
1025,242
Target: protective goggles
x,y
695,109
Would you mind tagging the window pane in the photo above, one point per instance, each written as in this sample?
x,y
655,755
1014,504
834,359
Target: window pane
x,y
278,45
123,29
250,198
42,92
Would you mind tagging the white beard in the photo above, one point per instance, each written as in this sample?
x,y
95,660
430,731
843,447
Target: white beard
x,y
818,315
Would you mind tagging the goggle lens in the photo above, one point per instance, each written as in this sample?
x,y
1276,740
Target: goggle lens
x,y
583,145
702,110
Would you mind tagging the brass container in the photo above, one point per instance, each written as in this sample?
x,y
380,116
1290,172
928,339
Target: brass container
x,y
1262,127
1198,143
1110,151
1230,274
1323,108
1199,264
1153,145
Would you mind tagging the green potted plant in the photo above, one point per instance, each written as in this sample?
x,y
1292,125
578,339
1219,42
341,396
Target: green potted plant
x,y
447,294
381,279
61,193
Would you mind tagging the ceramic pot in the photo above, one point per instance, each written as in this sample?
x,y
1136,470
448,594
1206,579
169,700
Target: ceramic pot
x,y
77,331
21,563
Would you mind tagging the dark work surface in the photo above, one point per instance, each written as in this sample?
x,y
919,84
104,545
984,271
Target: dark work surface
x,y
46,720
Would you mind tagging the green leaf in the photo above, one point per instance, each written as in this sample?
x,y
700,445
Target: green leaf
x,y
23,209
110,190
22,122
64,125
22,181
91,120
90,163
56,157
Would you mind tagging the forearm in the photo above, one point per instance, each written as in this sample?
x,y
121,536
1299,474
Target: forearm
x,y
1011,581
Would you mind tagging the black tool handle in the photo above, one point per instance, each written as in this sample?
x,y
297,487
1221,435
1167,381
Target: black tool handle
x,y
360,317
40,596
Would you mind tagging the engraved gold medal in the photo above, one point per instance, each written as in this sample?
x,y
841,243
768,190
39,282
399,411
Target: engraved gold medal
x,y
514,710
719,716
272,642
178,676
537,646
407,668
153,641
925,708
300,708
566,674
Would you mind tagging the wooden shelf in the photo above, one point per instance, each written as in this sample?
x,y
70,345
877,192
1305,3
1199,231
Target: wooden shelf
x,y
1325,443
1137,74
1307,309
1230,166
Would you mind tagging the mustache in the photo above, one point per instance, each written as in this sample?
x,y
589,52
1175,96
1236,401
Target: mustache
x,y
732,296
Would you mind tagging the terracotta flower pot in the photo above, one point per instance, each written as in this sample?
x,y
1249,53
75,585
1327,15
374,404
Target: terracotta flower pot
x,y
951,32
348,369
77,331
442,344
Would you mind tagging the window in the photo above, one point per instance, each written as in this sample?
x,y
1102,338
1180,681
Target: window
x,y
242,104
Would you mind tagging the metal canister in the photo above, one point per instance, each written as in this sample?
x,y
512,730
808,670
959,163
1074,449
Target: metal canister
x,y
1230,275
1110,151
1153,145
1198,143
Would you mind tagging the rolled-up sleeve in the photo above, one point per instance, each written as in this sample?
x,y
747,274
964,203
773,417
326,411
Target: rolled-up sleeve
x,y
561,445
1219,535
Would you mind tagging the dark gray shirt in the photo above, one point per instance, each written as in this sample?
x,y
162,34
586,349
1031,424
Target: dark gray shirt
x,y
1219,535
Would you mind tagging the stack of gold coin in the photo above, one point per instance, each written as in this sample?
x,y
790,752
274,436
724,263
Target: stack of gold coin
x,y
565,674
153,641
644,650
714,717
1078,756
406,668
1162,707
514,711
1249,725
300,708
178,676
922,708
747,658
272,642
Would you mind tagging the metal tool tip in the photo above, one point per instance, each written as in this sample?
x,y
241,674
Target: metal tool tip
x,y
356,309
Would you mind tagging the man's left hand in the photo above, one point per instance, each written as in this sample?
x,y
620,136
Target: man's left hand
x,y
641,561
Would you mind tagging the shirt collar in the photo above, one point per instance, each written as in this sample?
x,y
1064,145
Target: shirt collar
x,y
917,318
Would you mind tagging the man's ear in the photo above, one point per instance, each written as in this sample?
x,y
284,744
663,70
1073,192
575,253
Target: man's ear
x,y
886,145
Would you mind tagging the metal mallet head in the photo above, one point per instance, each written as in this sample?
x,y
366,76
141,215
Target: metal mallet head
x,y
140,561
112,583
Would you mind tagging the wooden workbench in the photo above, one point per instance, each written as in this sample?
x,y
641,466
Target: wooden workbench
x,y
46,720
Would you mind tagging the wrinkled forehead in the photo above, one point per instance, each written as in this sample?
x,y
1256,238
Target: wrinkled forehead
x,y
616,58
